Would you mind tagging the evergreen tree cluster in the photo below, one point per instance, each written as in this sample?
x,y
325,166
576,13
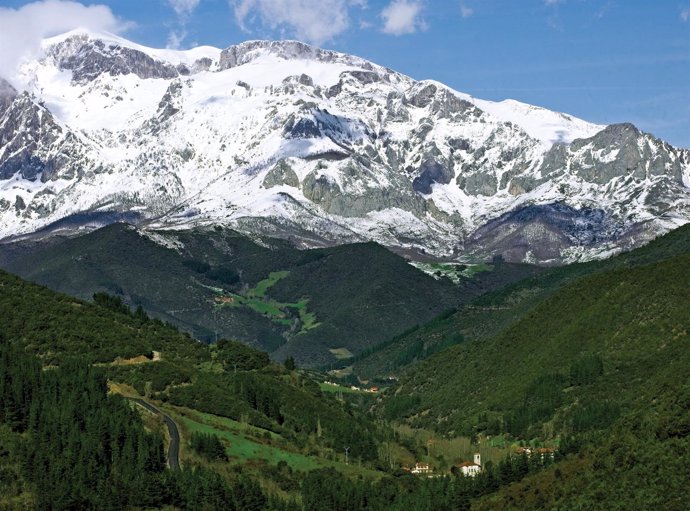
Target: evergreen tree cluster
x,y
80,448
222,273
209,446
586,370
236,356
111,302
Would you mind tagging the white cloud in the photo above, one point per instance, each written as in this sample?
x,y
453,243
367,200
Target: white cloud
x,y
466,11
22,29
685,15
184,7
402,17
175,39
553,2
315,21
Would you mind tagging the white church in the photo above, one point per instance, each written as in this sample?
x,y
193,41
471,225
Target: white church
x,y
471,468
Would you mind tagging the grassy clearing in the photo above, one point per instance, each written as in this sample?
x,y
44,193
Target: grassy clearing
x,y
141,359
341,353
307,318
122,389
246,444
455,272
473,269
257,300
259,291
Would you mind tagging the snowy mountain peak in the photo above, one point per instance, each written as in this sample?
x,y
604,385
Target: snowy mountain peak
x,y
248,51
89,55
285,139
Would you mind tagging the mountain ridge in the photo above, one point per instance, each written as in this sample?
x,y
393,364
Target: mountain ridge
x,y
283,139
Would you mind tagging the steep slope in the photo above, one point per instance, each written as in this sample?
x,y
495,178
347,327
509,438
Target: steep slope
x,y
498,308
214,282
321,148
228,380
601,367
611,343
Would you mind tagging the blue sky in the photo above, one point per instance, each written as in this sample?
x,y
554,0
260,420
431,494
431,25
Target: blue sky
x,y
602,60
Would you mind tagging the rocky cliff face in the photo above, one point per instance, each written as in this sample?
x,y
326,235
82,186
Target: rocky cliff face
x,y
281,138
7,95
88,59
33,145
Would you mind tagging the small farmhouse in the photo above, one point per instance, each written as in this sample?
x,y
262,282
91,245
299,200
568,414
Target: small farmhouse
x,y
421,468
545,453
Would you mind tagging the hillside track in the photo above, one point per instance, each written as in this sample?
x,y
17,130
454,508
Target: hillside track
x,y
173,430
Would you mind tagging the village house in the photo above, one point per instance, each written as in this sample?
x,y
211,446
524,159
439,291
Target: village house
x,y
546,453
421,468
543,452
471,468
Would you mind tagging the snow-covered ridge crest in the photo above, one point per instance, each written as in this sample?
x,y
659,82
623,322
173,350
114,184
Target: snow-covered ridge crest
x,y
539,123
170,56
243,53
284,139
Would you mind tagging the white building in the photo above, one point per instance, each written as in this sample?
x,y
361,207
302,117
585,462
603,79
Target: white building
x,y
471,469
421,468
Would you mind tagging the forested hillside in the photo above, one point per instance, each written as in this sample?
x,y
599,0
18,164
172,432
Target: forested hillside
x,y
82,345
598,368
217,283
256,435
601,366
502,306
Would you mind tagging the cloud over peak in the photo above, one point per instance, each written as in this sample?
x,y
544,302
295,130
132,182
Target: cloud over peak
x,y
315,21
184,10
184,7
402,17
22,29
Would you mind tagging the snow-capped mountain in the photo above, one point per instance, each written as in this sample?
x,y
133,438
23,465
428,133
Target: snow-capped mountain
x,y
284,139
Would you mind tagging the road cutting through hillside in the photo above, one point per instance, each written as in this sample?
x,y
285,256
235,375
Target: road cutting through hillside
x,y
173,430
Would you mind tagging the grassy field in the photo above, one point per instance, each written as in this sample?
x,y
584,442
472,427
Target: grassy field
x,y
341,353
259,291
245,443
472,269
456,272
256,299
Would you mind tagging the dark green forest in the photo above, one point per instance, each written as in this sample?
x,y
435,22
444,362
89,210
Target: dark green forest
x,y
357,293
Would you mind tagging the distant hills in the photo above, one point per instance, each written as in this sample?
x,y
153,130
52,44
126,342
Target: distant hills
x,y
218,283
